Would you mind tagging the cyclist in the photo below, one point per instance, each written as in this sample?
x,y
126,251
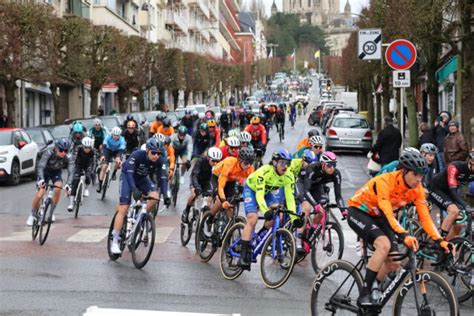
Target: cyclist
x,y
98,133
181,143
429,152
50,169
444,193
214,132
243,119
154,126
299,166
259,134
225,122
268,185
114,147
305,141
280,120
371,216
135,181
84,162
166,129
201,118
128,119
314,188
231,149
299,107
315,144
131,137
188,121
245,139
201,140
77,134
393,165
201,178
226,175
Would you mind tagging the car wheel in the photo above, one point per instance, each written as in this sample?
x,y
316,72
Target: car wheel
x,y
15,173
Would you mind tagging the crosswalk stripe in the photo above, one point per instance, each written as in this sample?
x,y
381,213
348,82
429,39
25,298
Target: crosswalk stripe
x,y
89,235
97,311
162,234
18,236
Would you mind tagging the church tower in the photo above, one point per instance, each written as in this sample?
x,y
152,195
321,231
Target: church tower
x,y
274,8
347,9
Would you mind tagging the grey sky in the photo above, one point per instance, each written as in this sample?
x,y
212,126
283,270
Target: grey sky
x,y
356,5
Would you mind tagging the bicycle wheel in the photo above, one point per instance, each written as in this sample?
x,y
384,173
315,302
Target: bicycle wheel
x,y
45,223
78,199
205,245
143,241
110,238
35,227
459,273
333,290
434,295
175,190
105,184
327,247
229,263
278,258
186,232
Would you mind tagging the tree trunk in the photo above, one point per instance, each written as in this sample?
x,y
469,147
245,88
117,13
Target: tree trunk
x,y
186,96
412,119
378,106
56,103
175,94
122,94
386,93
95,99
141,100
370,105
432,91
161,98
10,87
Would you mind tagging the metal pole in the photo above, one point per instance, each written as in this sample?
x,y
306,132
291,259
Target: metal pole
x,y
402,115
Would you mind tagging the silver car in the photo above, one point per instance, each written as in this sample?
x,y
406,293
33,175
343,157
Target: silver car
x,y
349,131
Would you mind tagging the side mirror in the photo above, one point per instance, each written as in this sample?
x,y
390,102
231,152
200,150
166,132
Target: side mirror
x,y
21,144
49,142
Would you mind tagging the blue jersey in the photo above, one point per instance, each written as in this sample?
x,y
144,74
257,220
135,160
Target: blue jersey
x,y
138,166
390,167
114,145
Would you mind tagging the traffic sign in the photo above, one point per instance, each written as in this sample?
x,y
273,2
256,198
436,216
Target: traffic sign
x,y
401,78
400,54
370,44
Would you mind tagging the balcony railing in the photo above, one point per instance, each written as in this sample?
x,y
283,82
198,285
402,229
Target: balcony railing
x,y
105,16
177,19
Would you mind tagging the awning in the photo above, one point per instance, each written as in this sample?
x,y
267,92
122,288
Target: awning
x,y
450,67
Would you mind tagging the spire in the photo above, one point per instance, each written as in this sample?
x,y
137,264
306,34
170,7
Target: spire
x,y
274,8
347,9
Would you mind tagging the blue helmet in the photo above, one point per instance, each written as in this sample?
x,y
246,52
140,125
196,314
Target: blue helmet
x,y
309,156
62,144
282,154
77,128
153,144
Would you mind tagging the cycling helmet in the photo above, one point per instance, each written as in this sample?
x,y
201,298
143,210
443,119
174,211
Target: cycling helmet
x,y
211,123
159,117
255,120
187,112
77,128
160,137
87,142
214,153
201,115
309,156
182,130
234,132
282,154
203,127
62,144
245,137
97,122
313,132
116,131
428,148
129,117
247,154
166,122
153,144
411,149
195,112
453,123
328,157
316,140
233,141
413,160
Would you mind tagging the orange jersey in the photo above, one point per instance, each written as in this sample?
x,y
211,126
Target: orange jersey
x,y
303,143
154,126
389,192
167,131
229,170
171,157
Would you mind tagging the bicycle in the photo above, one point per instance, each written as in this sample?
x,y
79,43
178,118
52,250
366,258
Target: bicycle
x,y
259,156
194,215
107,180
207,246
138,233
79,194
281,131
347,281
293,119
42,221
174,185
276,245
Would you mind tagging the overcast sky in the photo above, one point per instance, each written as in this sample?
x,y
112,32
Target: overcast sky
x,y
356,5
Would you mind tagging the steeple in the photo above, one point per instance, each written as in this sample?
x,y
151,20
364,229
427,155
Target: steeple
x,y
274,8
347,9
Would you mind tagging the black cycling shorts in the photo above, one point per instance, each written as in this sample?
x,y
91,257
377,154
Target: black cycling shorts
x,y
369,227
440,199
206,188
229,189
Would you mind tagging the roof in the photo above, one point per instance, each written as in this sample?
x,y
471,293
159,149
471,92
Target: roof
x,y
39,128
247,22
353,115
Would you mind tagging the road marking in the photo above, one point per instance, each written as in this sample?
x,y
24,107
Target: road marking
x,y
89,235
96,311
162,234
18,236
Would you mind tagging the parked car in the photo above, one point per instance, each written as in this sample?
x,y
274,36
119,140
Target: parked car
x,y
18,155
110,121
59,131
349,131
42,137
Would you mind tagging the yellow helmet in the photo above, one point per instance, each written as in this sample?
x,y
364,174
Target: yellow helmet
x,y
255,120
211,123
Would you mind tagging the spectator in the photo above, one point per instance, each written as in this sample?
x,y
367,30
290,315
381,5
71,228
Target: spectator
x,y
426,134
455,146
388,143
3,119
440,130
100,111
232,101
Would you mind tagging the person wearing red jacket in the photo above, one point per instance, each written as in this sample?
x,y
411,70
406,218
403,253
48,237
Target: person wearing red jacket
x,y
214,131
258,132
231,148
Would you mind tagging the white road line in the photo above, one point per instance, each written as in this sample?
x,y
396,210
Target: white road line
x,y
89,235
96,311
18,236
162,234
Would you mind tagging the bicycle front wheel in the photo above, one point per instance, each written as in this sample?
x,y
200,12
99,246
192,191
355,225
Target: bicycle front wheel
x,y
105,185
278,258
434,296
328,246
78,199
143,241
231,244
460,271
205,245
186,232
110,238
336,289
45,223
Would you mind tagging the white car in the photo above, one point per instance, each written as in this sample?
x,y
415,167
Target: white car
x,y
18,155
302,96
251,101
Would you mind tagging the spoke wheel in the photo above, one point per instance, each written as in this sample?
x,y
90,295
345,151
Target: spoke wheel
x,y
175,190
460,273
110,238
228,263
78,200
143,241
205,246
186,232
327,247
105,185
278,258
35,227
45,223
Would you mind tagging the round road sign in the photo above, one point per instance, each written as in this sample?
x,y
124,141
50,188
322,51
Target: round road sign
x,y
400,54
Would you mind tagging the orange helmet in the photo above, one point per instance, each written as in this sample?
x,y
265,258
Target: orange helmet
x,y
255,120
211,123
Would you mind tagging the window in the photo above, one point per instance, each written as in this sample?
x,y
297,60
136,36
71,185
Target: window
x,y
47,136
351,123
25,137
36,136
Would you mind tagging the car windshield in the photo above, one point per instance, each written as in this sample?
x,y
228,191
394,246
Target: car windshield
x,y
351,123
109,122
60,131
36,135
5,138
88,124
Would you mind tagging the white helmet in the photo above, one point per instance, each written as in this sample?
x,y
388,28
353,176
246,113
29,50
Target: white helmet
x,y
245,137
87,142
316,140
97,121
233,141
195,112
413,149
201,115
161,138
116,131
214,153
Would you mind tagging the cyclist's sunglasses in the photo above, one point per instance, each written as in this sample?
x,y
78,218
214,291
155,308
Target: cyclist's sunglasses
x,y
246,163
214,161
331,164
155,153
234,148
62,150
284,163
317,147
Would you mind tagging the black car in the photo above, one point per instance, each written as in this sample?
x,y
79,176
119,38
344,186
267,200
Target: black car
x,y
42,137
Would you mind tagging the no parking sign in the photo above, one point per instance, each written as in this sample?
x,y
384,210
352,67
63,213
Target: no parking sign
x,y
400,54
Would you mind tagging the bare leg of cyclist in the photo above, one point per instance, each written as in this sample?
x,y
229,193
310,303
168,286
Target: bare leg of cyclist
x,y
151,203
118,223
103,169
388,266
447,230
189,204
36,201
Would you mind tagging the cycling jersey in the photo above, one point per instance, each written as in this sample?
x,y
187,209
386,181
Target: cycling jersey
x,y
98,136
226,152
215,136
51,163
201,175
131,139
229,170
201,143
383,194
280,117
171,157
167,131
84,163
188,122
259,133
303,143
181,147
265,180
314,183
301,151
114,145
295,166
154,126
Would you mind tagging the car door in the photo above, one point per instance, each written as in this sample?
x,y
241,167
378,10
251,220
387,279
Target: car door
x,y
29,153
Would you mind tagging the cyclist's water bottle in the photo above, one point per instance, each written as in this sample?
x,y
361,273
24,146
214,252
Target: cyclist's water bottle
x,y
375,294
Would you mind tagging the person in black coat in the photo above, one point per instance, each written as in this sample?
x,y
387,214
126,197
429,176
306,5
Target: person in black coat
x,y
388,143
426,134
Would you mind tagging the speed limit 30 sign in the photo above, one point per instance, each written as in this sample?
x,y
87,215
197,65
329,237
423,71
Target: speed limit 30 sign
x,y
370,44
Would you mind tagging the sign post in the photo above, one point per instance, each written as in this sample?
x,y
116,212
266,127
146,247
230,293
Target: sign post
x,y
370,44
